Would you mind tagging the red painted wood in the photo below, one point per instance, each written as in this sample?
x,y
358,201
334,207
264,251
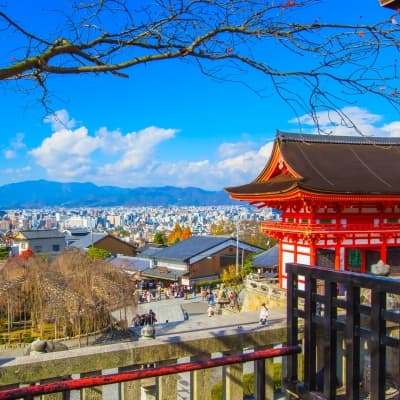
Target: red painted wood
x,y
75,384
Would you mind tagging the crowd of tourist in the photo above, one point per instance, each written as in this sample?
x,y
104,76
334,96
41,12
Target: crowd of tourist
x,y
214,298
148,318
147,295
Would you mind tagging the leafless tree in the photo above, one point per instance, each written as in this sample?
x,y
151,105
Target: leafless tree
x,y
72,291
313,64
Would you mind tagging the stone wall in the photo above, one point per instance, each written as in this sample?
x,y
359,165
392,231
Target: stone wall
x,y
266,291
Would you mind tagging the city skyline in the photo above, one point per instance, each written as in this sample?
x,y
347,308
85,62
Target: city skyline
x,y
167,124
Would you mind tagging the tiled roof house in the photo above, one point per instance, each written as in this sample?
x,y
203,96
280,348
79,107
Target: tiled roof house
x,y
197,259
103,241
48,241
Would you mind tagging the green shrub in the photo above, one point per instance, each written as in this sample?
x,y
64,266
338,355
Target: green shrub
x,y
248,383
216,391
28,339
211,284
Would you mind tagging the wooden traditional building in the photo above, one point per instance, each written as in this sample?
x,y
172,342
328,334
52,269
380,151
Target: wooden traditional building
x,y
339,199
84,240
196,259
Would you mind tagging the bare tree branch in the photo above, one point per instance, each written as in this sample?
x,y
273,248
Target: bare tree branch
x,y
311,64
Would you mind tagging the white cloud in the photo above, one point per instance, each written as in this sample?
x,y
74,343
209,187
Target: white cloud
x,y
18,141
215,176
136,148
111,157
66,153
18,173
234,149
108,156
9,154
392,129
16,144
367,123
60,120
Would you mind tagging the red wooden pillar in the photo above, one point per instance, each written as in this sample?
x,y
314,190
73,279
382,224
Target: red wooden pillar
x,y
312,252
363,260
337,254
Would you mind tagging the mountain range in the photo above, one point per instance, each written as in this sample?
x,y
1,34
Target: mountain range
x,y
42,193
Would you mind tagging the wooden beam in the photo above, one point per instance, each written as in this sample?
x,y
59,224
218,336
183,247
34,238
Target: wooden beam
x,y
393,4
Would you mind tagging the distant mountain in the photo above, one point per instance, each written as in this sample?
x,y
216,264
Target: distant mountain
x,y
42,193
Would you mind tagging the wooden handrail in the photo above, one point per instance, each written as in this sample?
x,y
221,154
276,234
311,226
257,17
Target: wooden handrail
x,y
81,383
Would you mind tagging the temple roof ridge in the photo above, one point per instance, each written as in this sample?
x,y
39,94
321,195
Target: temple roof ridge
x,y
336,139
309,165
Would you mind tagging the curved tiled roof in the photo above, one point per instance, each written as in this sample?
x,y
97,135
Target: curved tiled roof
x,y
268,258
190,247
332,164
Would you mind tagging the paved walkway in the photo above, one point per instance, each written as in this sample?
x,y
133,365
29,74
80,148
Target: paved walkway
x,y
170,320
199,322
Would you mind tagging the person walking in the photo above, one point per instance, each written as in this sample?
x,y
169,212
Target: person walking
x,y
210,310
263,314
211,299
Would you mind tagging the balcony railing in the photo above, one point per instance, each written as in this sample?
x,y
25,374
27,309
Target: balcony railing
x,y
67,386
165,368
351,325
308,229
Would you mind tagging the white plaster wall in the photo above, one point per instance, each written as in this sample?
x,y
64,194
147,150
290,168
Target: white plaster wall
x,y
287,246
303,249
303,259
286,258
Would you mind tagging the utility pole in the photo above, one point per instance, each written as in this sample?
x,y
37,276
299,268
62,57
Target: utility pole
x,y
237,246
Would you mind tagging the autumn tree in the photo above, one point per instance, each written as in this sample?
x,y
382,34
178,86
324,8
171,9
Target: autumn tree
x,y
291,49
248,231
186,233
222,227
229,276
159,238
178,234
26,254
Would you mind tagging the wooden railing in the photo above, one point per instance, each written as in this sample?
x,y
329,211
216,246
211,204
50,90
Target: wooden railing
x,y
351,341
81,383
306,228
129,370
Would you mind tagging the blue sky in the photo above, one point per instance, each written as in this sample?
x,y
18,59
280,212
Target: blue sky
x,y
166,125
